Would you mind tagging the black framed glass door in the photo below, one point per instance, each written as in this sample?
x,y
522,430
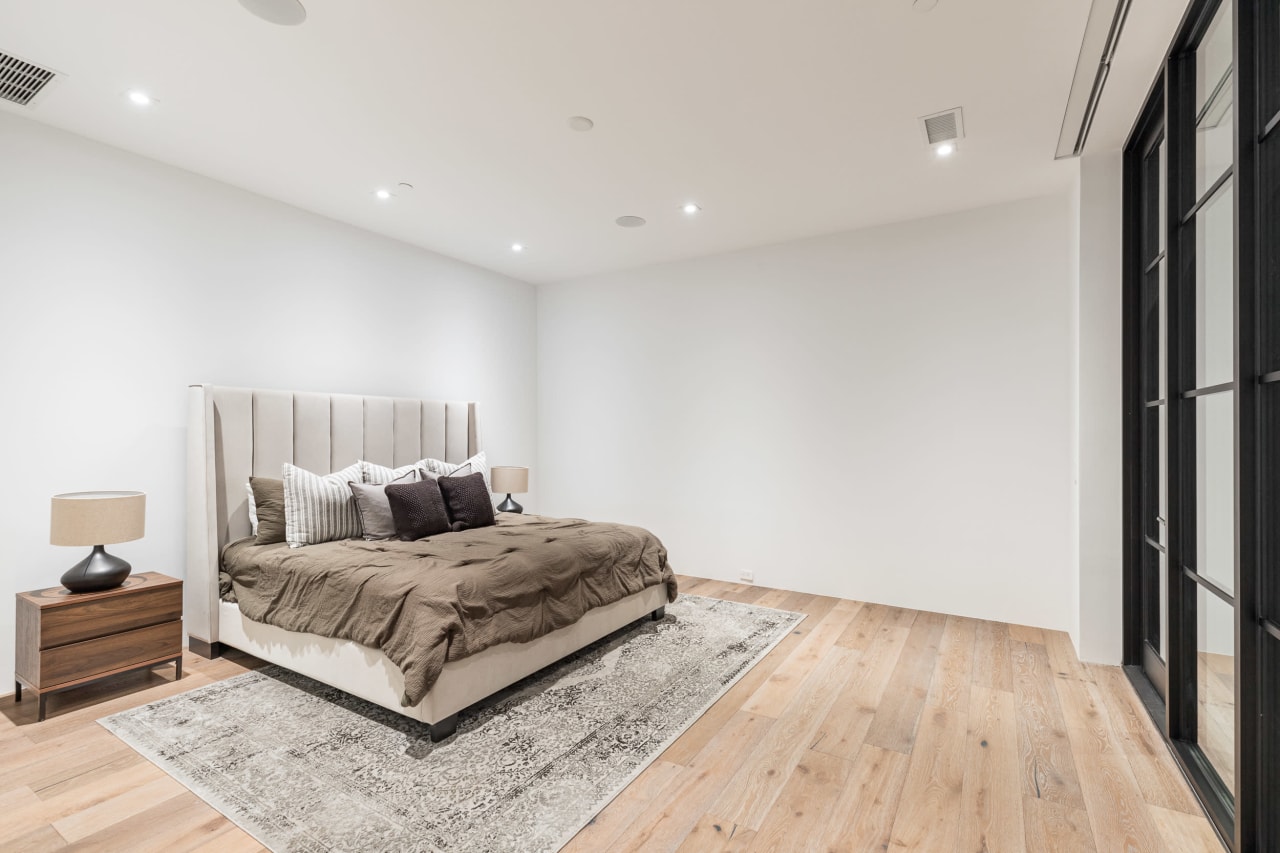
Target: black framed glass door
x,y
1202,411
1260,719
1152,467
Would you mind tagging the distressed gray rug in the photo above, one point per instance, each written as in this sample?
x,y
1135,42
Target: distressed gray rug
x,y
304,767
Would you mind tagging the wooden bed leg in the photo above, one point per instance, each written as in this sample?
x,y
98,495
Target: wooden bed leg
x,y
444,728
659,614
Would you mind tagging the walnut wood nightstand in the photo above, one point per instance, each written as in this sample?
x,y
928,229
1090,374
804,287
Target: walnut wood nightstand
x,y
67,639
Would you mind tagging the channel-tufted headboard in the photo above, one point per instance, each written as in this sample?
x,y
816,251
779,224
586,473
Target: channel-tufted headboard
x,y
235,433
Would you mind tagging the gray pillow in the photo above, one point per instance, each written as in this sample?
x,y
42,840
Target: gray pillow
x,y
375,509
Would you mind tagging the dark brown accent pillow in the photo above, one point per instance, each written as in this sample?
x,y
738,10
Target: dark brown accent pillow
x,y
468,501
417,509
268,497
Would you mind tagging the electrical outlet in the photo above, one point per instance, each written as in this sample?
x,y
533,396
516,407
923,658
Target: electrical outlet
x,y
747,577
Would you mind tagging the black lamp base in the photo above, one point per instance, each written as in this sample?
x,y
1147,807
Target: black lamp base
x,y
510,505
96,572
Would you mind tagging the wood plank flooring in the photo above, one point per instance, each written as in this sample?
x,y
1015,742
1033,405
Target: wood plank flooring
x,y
871,728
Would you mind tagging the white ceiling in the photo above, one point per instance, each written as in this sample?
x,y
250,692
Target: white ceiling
x,y
781,118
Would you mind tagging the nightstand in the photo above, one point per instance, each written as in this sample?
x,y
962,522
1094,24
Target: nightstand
x,y
68,639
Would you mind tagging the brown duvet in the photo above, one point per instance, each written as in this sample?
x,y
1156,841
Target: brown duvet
x,y
449,596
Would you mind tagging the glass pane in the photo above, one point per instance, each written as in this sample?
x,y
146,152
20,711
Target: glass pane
x,y
1164,605
1215,488
1162,500
1215,682
1155,598
1215,268
1163,327
1213,55
1215,149
1270,792
1164,171
1215,98
1152,181
1150,336
1150,471
1162,489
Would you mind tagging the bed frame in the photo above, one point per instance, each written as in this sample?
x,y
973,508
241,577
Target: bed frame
x,y
235,433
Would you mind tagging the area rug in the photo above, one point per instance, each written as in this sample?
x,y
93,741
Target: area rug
x,y
304,767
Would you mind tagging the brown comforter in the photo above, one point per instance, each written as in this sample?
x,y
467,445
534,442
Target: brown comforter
x,y
449,596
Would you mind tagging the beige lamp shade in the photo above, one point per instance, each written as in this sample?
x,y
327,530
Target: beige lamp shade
x,y
509,479
97,518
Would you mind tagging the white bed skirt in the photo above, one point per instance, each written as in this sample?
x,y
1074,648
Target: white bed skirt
x,y
369,674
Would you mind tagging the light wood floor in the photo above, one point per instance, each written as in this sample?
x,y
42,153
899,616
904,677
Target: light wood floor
x,y
869,728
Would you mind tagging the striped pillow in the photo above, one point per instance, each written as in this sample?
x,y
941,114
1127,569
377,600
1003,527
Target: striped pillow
x,y
319,508
478,463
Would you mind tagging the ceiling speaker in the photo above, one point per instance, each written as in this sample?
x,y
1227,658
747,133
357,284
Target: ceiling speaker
x,y
21,81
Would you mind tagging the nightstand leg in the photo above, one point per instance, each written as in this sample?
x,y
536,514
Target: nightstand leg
x,y
177,669
40,714
17,691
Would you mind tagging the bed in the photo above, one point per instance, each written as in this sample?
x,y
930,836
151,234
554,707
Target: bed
x,y
235,433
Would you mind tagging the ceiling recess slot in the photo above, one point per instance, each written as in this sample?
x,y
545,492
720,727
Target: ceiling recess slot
x,y
946,126
1097,50
21,81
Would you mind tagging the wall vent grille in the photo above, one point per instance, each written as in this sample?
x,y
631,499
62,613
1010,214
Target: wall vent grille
x,y
945,126
21,81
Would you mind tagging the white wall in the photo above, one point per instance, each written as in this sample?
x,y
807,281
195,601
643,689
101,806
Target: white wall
x,y
883,414
122,281
1099,414
1073,527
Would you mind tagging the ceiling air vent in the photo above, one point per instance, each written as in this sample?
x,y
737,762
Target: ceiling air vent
x,y
21,81
945,126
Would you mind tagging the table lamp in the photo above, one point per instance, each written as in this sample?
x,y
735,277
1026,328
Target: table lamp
x,y
97,519
509,479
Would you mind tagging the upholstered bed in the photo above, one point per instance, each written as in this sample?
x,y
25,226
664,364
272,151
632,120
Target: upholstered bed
x,y
236,433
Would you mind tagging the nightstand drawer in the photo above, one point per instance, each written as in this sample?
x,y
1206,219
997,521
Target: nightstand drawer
x,y
105,654
98,617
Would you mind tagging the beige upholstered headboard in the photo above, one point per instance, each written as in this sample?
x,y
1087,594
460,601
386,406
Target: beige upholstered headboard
x,y
235,433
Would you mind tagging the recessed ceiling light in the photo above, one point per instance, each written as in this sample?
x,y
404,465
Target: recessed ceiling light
x,y
946,149
140,98
517,247
630,221
581,123
286,13
690,208
383,194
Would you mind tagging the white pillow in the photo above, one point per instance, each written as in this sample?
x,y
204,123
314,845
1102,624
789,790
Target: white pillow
x,y
319,509
253,510
378,475
478,463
